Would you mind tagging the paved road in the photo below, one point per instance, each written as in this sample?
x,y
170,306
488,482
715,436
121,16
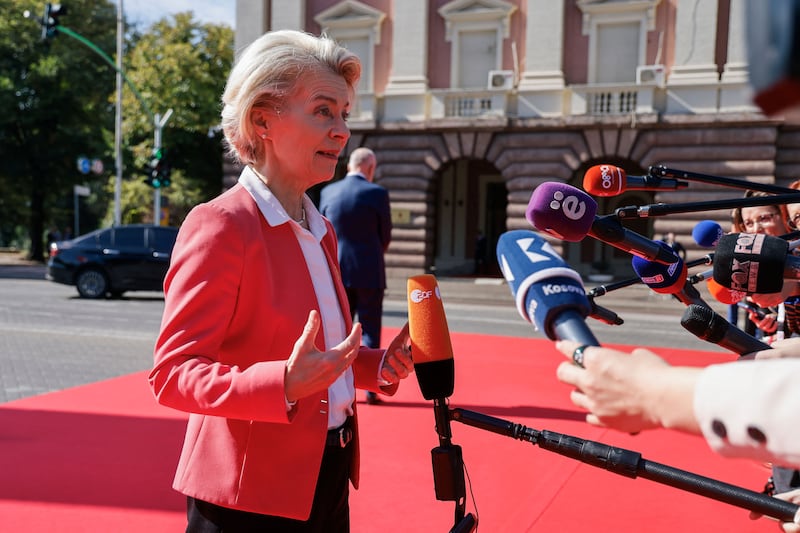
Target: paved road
x,y
51,339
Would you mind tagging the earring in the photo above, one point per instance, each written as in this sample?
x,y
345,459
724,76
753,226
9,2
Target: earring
x,y
263,135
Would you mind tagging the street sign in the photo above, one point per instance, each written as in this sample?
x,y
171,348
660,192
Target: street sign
x,y
81,190
97,166
84,165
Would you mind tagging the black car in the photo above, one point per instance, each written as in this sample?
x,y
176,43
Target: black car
x,y
113,260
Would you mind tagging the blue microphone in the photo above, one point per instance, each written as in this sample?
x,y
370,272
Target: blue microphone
x,y
547,292
667,279
707,233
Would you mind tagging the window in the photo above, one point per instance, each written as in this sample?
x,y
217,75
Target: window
x,y
617,37
357,27
129,237
476,29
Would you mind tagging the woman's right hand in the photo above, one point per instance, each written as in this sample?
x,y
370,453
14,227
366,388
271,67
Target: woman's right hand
x,y
308,370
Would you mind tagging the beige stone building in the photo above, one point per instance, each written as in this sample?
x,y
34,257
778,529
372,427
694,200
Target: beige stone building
x,y
471,104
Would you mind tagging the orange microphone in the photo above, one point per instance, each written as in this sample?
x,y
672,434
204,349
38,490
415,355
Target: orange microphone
x,y
724,294
430,338
611,180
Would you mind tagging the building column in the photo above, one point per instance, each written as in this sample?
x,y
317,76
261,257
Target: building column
x,y
288,15
541,83
408,84
693,82
544,44
736,94
252,20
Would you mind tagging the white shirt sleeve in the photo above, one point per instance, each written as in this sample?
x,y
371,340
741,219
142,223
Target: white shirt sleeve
x,y
750,409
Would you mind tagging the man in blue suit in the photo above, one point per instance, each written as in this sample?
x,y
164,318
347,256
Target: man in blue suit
x,y
360,214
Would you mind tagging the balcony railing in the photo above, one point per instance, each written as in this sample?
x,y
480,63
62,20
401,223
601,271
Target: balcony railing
x,y
602,100
468,103
596,100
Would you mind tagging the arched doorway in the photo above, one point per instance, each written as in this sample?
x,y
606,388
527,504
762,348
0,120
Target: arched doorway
x,y
471,200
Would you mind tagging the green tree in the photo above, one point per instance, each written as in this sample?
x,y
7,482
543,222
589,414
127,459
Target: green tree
x,y
54,96
179,64
59,96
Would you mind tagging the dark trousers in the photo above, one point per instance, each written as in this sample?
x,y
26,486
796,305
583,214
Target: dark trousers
x,y
330,512
368,304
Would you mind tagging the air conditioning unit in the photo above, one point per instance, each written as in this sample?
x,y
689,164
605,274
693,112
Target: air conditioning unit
x,y
501,79
651,75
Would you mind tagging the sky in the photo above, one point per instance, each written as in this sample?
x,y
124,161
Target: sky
x,y
148,11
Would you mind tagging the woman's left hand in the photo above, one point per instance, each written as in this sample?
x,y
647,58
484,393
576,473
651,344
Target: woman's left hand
x,y
397,364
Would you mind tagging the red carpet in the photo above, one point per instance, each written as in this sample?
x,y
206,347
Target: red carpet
x,y
101,458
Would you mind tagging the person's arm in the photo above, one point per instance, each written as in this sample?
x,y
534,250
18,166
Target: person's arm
x,y
630,392
744,408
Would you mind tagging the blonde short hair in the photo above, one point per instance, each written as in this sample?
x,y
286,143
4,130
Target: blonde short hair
x,y
267,72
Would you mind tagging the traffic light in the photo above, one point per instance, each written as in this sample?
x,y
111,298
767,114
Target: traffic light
x,y
50,19
158,172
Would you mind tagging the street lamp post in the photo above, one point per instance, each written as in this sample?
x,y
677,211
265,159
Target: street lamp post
x,y
118,120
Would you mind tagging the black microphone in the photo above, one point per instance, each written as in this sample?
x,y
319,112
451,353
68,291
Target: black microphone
x,y
754,263
705,324
547,292
568,213
610,180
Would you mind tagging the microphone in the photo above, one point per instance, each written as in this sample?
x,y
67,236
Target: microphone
x,y
430,338
568,213
724,294
667,279
547,292
754,263
705,324
707,233
610,180
432,353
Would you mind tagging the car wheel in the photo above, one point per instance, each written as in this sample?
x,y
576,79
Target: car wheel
x,y
91,283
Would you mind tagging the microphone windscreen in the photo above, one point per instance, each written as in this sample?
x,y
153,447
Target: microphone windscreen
x,y
724,294
604,180
431,349
561,210
750,262
707,233
541,282
663,279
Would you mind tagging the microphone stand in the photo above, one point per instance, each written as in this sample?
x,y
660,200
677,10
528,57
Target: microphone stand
x,y
630,464
657,210
448,470
663,172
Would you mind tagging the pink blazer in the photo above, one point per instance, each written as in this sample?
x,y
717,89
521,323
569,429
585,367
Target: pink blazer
x,y
237,296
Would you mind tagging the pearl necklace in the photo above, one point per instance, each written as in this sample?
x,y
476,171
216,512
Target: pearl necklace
x,y
303,218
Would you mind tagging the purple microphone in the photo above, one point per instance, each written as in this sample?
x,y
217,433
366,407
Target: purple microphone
x,y
568,213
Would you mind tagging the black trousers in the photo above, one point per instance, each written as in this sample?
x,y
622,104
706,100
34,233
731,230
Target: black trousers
x,y
330,512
